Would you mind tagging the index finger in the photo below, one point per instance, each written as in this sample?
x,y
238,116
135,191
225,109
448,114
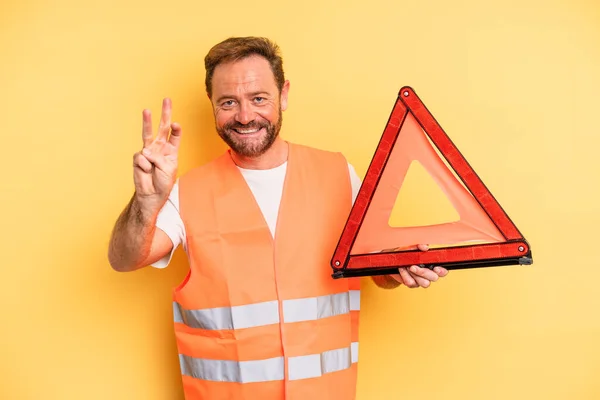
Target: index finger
x,y
146,128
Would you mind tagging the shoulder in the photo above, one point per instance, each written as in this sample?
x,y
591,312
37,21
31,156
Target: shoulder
x,y
202,173
318,154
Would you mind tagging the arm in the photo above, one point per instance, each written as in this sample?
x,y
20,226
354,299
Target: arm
x,y
135,241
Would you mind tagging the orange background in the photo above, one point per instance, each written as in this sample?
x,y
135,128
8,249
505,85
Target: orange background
x,y
514,83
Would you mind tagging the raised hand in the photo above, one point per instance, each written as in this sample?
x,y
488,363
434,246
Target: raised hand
x,y
155,166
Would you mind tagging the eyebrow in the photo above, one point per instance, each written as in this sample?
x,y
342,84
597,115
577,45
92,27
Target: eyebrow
x,y
220,99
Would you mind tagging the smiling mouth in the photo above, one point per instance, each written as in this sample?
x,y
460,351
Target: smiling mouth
x,y
241,131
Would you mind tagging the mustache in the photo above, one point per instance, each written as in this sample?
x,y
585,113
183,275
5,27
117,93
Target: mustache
x,y
250,125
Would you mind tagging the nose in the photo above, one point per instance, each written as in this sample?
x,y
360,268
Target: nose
x,y
245,113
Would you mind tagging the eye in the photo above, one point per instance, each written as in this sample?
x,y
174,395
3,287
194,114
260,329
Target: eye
x,y
227,104
259,99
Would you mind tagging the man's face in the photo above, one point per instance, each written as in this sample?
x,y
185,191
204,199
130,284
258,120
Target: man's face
x,y
247,105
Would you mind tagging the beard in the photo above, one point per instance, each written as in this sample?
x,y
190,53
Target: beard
x,y
250,148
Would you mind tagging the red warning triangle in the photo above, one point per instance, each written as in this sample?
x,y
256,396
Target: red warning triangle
x,y
483,236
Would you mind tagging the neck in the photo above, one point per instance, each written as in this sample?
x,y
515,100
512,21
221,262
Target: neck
x,y
276,155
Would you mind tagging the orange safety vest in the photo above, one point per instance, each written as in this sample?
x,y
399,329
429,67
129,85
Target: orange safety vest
x,y
262,318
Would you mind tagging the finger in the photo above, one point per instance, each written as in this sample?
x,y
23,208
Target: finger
x,y
142,162
422,282
441,272
165,121
157,159
424,273
423,247
396,249
175,137
146,127
407,278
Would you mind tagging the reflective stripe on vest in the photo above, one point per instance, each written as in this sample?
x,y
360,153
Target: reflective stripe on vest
x,y
272,369
267,313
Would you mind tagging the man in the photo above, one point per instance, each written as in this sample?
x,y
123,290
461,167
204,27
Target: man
x,y
258,315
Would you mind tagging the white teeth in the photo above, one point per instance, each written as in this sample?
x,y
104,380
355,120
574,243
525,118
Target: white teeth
x,y
247,131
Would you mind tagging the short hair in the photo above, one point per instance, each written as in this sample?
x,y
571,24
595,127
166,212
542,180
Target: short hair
x,y
238,48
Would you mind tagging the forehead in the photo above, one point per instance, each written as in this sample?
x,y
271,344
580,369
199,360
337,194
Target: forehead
x,y
248,75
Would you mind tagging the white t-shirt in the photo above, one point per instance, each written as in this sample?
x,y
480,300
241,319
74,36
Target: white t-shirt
x,y
266,186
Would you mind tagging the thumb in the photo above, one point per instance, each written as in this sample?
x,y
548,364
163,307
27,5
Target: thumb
x,y
423,247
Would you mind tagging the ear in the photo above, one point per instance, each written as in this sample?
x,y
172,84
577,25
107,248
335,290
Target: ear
x,y
284,95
